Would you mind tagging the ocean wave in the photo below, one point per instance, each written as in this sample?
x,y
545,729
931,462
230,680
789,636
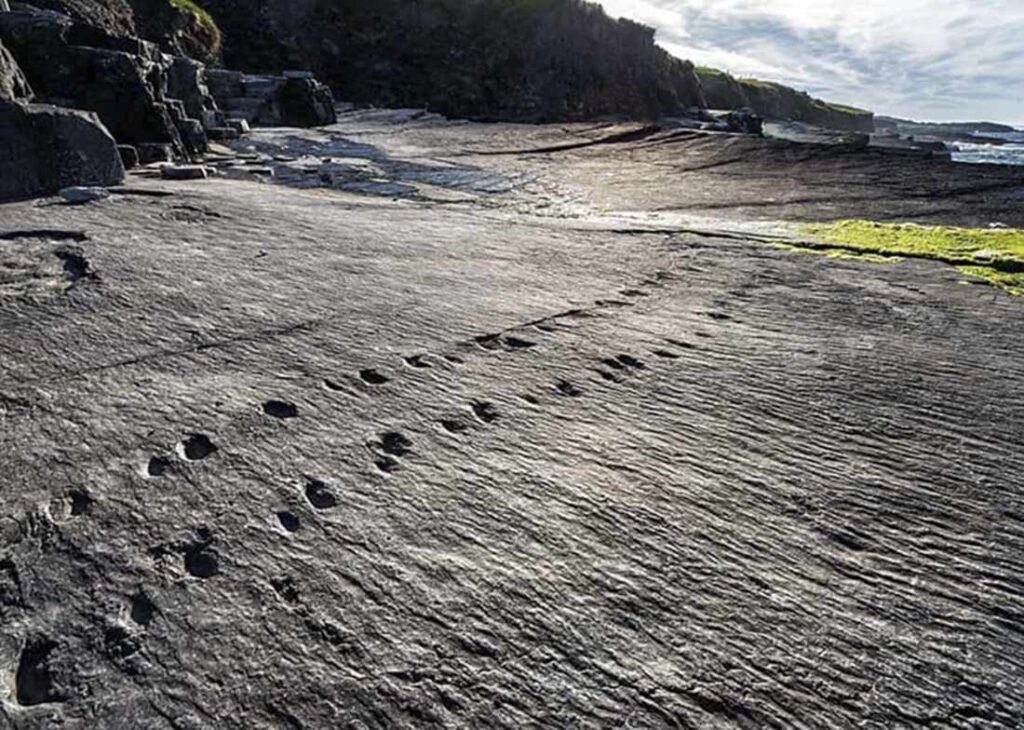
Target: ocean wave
x,y
1008,154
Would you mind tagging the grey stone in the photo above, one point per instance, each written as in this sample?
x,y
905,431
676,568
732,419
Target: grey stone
x,y
79,194
184,172
49,148
239,125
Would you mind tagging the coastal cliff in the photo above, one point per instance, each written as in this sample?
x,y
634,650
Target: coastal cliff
x,y
775,101
492,60
521,60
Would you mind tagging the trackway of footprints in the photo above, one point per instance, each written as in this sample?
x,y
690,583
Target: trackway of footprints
x,y
388,449
197,558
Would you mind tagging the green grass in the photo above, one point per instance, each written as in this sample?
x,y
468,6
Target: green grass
x,y
760,83
708,71
994,254
846,109
205,20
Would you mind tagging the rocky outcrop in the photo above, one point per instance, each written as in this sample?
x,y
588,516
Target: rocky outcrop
x,y
121,78
177,30
50,148
13,84
777,102
483,59
115,17
296,99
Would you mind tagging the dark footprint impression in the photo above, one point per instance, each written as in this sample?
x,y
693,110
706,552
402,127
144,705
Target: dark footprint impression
x,y
76,266
372,377
280,409
34,680
158,466
631,362
486,411
289,520
201,563
454,425
503,342
197,447
320,495
417,361
387,464
395,443
566,388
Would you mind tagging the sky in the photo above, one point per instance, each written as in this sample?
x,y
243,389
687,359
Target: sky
x,y
941,60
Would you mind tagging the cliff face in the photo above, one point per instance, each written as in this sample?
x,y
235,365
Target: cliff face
x,y
775,101
524,60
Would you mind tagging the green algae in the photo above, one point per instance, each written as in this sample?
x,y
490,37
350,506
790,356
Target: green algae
x,y
994,254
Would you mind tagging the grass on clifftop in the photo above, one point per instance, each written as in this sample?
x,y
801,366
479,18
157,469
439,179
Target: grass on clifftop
x,y
994,254
205,20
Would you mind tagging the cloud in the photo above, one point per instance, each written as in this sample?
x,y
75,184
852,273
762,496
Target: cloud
x,y
925,59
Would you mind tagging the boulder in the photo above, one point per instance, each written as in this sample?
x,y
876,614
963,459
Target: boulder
x,y
48,148
13,84
293,100
745,121
304,102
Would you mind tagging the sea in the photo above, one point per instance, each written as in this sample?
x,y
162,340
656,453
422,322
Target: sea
x,y
1008,154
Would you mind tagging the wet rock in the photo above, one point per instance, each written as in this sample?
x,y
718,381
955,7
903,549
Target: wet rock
x,y
52,148
78,194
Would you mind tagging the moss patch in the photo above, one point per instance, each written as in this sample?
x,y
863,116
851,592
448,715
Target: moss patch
x,y
995,254
205,20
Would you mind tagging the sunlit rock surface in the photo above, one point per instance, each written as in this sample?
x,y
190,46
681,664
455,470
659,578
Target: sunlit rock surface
x,y
450,425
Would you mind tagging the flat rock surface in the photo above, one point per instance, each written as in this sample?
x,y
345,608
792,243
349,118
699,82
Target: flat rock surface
x,y
508,440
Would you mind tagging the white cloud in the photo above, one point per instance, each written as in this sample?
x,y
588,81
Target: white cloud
x,y
942,59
